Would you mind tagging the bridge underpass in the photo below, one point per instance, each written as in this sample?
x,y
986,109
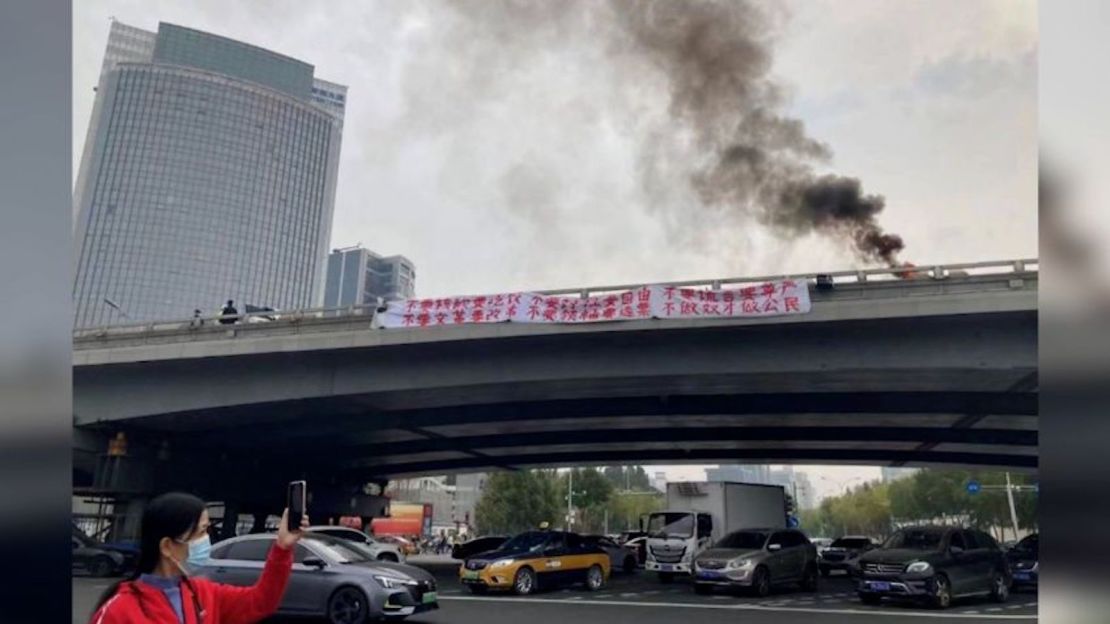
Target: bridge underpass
x,y
918,372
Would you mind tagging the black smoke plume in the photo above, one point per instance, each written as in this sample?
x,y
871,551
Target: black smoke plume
x,y
715,56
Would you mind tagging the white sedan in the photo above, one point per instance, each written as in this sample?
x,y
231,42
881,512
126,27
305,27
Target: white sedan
x,y
381,550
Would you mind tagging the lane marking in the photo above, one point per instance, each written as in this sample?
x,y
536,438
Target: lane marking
x,y
737,607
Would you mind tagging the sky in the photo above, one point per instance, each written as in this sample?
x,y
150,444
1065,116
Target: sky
x,y
502,159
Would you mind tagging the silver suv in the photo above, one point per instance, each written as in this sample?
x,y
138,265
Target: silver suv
x,y
756,560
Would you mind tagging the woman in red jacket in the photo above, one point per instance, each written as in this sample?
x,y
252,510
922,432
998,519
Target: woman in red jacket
x,y
174,538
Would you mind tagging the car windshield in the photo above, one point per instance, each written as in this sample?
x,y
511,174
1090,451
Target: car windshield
x,y
915,539
746,540
671,525
851,542
342,551
528,542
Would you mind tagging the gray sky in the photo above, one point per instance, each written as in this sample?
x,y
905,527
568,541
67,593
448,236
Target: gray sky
x,y
507,163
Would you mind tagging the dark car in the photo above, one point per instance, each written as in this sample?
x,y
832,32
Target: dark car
x,y
1023,561
757,559
621,557
476,546
843,554
97,559
935,564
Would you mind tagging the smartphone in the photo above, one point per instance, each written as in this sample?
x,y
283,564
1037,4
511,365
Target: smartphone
x,y
295,501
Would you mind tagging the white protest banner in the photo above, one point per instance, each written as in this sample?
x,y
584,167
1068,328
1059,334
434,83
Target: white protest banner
x,y
452,310
656,301
766,299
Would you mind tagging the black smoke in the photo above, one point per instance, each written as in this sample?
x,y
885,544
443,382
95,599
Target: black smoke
x,y
715,58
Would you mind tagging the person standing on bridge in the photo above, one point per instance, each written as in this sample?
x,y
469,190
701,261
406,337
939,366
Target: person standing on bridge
x,y
228,314
173,539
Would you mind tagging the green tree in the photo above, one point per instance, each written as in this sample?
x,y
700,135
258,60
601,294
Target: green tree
x,y
591,493
622,478
626,509
518,501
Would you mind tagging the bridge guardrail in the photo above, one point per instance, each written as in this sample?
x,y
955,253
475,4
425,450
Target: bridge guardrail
x,y
247,320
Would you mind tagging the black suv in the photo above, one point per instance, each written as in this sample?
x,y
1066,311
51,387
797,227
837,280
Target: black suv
x,y
935,564
1023,559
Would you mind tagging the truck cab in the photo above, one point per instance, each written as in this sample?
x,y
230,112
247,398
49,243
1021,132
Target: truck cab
x,y
675,538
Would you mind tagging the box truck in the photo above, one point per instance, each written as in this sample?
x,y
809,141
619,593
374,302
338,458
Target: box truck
x,y
698,513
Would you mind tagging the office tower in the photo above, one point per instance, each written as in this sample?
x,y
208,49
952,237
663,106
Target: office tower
x,y
208,174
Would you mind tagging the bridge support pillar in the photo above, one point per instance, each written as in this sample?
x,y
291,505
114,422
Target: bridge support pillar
x,y
129,518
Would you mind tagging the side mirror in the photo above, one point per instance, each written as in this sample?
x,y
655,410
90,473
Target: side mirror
x,y
774,547
314,562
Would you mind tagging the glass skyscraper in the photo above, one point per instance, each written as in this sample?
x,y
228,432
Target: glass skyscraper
x,y
208,174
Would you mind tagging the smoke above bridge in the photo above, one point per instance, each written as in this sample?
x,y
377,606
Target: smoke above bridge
x,y
742,156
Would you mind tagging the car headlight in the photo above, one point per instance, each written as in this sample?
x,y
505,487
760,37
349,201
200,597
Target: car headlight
x,y
737,564
392,582
502,563
919,567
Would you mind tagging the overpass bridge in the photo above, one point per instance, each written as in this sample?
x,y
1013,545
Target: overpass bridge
x,y
940,369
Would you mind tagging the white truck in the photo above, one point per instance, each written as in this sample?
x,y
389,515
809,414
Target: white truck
x,y
698,513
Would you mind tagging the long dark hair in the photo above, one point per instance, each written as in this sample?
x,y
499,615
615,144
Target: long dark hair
x,y
171,515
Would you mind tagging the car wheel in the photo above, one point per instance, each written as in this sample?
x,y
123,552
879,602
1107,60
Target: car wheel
x,y
347,606
390,557
942,593
629,564
595,578
525,582
477,589
101,566
1000,589
870,599
702,589
825,571
809,579
761,582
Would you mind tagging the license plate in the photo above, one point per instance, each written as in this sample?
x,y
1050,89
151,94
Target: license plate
x,y
470,575
1021,576
430,597
709,575
880,586
666,568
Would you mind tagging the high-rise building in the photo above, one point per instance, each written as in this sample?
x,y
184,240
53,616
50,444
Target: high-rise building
x,y
739,473
208,173
358,276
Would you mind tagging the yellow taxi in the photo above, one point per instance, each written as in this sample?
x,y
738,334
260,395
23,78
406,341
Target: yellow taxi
x,y
537,559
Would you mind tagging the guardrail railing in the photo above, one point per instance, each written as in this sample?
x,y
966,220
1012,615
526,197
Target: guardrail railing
x,y
246,320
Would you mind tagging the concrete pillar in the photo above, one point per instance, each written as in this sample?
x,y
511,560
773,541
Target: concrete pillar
x,y
259,525
231,518
128,519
